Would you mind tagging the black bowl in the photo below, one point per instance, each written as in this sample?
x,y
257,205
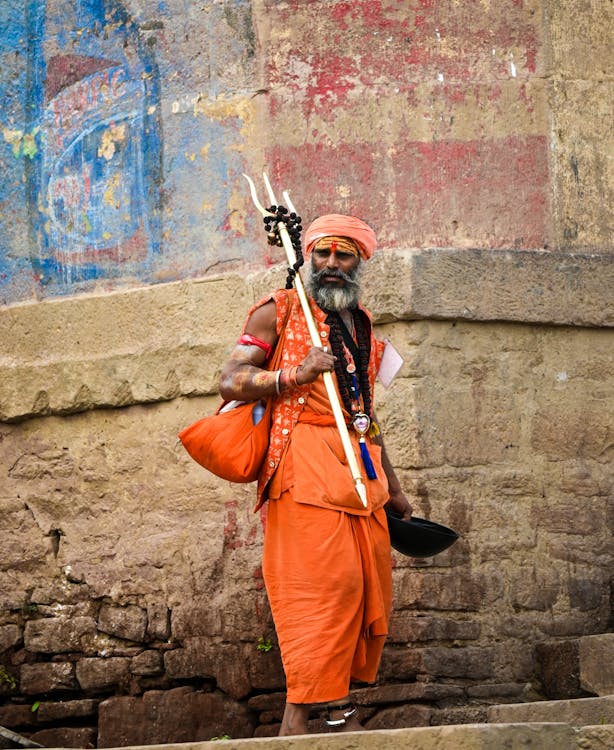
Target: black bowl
x,y
418,537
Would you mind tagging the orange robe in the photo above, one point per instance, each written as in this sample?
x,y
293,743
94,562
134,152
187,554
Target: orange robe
x,y
326,562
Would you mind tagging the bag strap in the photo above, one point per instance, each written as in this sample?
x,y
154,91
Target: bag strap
x,y
276,358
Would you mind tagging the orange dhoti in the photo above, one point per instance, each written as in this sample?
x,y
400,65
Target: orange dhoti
x,y
328,579
327,569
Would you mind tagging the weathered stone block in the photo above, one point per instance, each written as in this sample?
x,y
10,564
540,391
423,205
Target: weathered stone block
x,y
558,668
408,627
397,717
100,674
178,715
596,658
596,737
201,657
266,670
147,663
129,623
16,715
59,635
36,679
406,692
62,710
577,712
10,635
468,662
78,737
588,594
425,590
158,621
399,664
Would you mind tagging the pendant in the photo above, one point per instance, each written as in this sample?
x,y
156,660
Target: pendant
x,y
351,368
361,422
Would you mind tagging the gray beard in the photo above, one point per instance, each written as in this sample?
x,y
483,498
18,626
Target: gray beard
x,y
333,297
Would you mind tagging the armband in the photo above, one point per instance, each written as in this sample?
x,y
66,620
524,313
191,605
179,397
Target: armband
x,y
248,340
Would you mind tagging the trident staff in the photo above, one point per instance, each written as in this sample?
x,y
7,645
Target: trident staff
x,y
313,332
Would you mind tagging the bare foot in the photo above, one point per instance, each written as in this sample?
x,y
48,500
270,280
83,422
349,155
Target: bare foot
x,y
295,719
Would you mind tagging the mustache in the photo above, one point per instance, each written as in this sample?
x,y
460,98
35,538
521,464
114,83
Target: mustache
x,y
349,278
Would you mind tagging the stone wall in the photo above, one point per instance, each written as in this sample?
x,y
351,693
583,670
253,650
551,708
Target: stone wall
x,y
133,607
476,138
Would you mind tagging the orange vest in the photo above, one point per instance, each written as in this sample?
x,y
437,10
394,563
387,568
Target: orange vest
x,y
288,406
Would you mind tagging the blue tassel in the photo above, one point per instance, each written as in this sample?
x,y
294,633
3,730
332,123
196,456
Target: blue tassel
x,y
366,459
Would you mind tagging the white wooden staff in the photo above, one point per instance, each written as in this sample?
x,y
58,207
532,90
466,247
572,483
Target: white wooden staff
x,y
315,336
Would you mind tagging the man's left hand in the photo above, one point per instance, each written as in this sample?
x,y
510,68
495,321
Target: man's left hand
x,y
399,503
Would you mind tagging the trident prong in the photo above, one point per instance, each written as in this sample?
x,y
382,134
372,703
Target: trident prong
x,y
254,194
316,340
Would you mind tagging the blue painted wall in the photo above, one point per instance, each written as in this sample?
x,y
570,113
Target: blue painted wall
x,y
111,173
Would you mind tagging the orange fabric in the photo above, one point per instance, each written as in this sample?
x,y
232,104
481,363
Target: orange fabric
x,y
288,407
342,226
326,560
315,467
329,583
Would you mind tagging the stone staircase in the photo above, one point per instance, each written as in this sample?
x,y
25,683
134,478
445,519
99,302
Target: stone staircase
x,y
577,673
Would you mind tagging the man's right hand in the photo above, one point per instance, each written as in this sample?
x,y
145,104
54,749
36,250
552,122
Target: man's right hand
x,y
317,361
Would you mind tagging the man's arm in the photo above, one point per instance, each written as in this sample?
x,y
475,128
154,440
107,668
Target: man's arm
x,y
245,377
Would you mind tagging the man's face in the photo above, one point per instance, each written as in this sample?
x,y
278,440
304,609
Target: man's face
x,y
334,278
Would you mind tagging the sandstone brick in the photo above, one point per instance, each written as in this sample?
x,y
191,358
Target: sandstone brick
x,y
266,670
405,692
37,679
559,668
10,635
526,593
63,710
407,626
397,717
583,429
399,664
201,657
147,663
100,674
496,690
436,591
577,712
199,617
178,715
58,635
467,662
455,715
587,594
267,702
16,715
596,737
78,737
129,622
158,621
596,663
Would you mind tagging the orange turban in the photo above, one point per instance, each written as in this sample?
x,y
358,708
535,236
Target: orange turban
x,y
341,226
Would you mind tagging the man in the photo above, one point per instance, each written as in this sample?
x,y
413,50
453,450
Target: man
x,y
326,560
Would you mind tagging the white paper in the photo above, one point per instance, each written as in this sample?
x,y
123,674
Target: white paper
x,y
390,365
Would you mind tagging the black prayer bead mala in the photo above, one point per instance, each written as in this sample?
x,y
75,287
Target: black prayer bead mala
x,y
294,227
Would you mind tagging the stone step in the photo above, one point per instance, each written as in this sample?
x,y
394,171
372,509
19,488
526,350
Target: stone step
x,y
532,736
577,712
572,667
